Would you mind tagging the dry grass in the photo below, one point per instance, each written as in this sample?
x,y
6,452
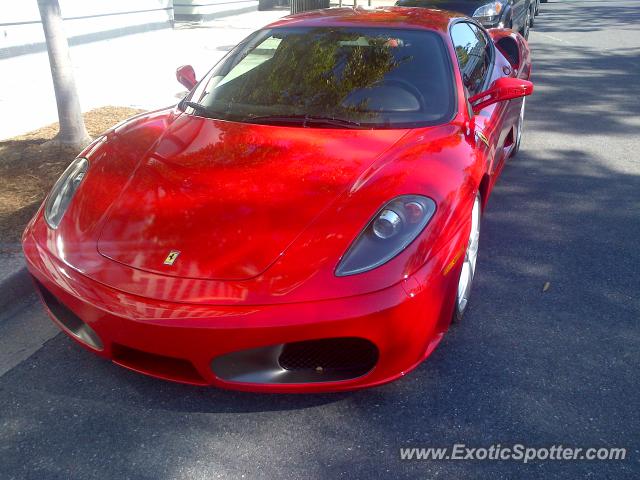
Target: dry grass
x,y
28,169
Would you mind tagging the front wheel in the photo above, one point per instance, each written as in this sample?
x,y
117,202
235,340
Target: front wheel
x,y
532,16
519,130
524,31
469,265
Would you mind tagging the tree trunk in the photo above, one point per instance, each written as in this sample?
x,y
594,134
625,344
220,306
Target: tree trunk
x,y
72,128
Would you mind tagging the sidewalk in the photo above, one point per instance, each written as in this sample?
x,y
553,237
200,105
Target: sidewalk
x,y
134,70
131,71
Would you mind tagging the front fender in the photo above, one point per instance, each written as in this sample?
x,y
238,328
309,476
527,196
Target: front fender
x,y
438,162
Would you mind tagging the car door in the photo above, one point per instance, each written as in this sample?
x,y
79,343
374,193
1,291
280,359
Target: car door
x,y
480,65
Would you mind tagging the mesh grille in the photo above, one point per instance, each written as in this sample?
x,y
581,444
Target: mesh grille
x,y
354,355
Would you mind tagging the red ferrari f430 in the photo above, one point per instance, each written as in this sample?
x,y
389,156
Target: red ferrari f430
x,y
306,219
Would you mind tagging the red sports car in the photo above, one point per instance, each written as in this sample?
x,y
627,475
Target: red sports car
x,y
306,219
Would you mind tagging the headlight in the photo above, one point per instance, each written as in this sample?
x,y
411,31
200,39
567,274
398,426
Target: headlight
x,y
62,192
388,233
492,9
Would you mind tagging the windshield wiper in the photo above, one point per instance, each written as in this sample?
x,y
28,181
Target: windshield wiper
x,y
338,122
200,108
306,120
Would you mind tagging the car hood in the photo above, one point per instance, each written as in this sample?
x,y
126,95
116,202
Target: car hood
x,y
223,200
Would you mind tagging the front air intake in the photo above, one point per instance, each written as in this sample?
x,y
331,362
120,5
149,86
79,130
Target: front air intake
x,y
352,356
309,361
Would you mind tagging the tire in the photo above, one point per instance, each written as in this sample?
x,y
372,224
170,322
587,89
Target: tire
x,y
469,264
532,16
519,130
524,31
265,4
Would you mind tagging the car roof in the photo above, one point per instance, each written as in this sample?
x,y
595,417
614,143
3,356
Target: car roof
x,y
392,17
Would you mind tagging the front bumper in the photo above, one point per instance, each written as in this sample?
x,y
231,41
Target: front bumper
x,y
202,344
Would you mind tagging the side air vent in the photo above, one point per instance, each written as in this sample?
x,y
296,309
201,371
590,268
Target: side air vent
x,y
69,320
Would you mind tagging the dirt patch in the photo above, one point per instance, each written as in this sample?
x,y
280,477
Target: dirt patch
x,y
28,169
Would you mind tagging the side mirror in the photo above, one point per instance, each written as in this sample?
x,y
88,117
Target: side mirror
x,y
502,89
186,75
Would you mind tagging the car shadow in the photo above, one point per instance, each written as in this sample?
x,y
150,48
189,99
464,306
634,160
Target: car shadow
x,y
62,367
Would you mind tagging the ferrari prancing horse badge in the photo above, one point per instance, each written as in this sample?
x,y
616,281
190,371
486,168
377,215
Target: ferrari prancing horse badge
x,y
171,258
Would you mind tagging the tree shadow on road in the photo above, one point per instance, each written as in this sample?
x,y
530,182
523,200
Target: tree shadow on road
x,y
585,91
587,16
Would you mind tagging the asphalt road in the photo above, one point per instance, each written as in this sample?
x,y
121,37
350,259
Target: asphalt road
x,y
525,366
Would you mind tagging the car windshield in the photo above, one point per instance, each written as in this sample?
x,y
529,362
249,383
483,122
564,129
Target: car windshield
x,y
331,77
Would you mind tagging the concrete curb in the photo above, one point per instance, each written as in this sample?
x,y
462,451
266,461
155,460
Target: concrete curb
x,y
15,282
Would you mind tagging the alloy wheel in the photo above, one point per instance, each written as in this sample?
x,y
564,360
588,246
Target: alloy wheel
x,y
532,16
525,27
470,258
519,130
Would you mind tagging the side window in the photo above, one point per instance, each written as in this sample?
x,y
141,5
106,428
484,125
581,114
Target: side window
x,y
474,55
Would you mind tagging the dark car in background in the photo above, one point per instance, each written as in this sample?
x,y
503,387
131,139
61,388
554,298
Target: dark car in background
x,y
515,14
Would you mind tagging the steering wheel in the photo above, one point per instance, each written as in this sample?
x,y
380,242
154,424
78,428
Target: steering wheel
x,y
408,87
